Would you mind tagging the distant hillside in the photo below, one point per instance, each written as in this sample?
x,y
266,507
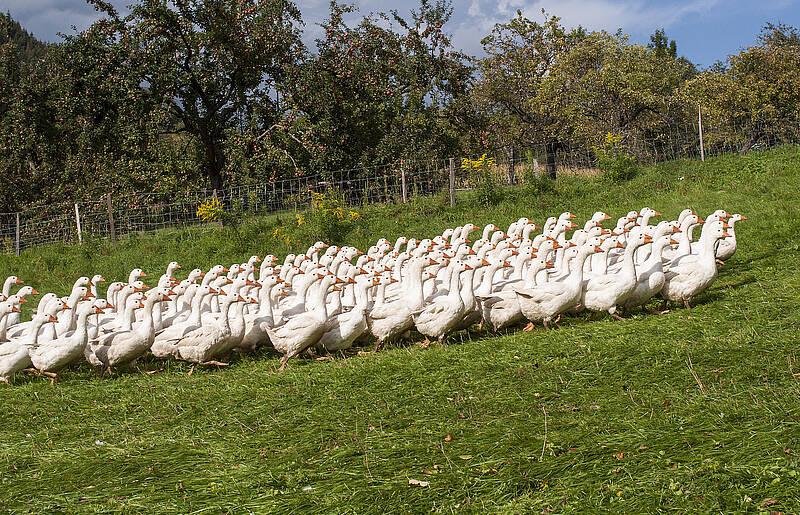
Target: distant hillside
x,y
29,47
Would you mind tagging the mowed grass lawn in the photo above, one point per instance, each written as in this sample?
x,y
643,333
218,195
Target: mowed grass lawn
x,y
690,411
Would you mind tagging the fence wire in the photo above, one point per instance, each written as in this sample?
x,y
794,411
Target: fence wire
x,y
146,212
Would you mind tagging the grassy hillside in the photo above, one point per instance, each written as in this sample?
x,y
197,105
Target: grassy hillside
x,y
693,410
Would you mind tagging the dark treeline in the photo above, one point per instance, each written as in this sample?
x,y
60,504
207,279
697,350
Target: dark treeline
x,y
187,94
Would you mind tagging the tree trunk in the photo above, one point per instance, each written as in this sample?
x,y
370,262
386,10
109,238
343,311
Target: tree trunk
x,y
550,148
215,159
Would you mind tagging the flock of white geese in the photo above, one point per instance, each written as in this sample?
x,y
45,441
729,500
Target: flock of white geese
x,y
330,297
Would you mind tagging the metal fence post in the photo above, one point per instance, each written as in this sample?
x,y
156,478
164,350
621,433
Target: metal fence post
x,y
403,181
78,222
17,245
452,182
111,227
700,129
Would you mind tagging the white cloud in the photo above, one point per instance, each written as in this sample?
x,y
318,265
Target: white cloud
x,y
633,16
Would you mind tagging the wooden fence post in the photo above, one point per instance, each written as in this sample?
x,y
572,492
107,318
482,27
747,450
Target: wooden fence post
x,y
111,218
700,129
511,177
452,182
217,198
403,182
78,222
17,234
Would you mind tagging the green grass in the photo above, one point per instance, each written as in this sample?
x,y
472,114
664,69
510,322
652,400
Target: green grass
x,y
690,411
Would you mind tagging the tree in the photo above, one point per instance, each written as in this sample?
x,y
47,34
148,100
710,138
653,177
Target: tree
x,y
662,45
754,95
26,46
512,90
388,88
208,61
542,84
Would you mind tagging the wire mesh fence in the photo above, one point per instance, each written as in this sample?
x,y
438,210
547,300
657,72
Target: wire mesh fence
x,y
117,215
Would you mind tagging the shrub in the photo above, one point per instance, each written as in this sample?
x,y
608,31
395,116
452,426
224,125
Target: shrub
x,y
328,219
210,210
487,190
615,165
537,185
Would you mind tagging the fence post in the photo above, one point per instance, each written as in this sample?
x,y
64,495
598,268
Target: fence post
x,y
700,129
452,182
111,219
78,222
511,177
217,198
403,181
17,234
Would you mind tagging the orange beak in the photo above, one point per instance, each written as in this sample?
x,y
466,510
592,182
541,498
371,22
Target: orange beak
x,y
725,234
91,283
53,319
598,249
548,264
467,267
336,288
648,239
15,309
673,241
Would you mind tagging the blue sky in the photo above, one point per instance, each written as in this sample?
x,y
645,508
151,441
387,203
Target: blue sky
x,y
705,30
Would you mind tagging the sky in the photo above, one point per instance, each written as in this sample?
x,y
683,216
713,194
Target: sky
x,y
705,30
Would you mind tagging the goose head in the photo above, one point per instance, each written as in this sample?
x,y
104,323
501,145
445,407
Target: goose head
x,y
135,275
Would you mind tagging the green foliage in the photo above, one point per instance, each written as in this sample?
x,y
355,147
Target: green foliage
x,y
328,218
26,46
481,171
615,165
536,186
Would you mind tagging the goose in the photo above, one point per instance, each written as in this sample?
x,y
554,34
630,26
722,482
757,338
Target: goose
x,y
546,301
444,312
604,292
343,329
122,347
649,275
391,319
256,323
50,357
9,282
727,246
294,335
13,356
165,341
199,345
13,318
15,301
46,305
501,309
690,274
